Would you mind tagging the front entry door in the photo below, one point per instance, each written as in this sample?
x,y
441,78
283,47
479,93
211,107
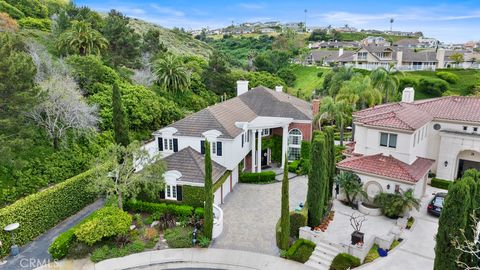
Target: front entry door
x,y
464,165
264,157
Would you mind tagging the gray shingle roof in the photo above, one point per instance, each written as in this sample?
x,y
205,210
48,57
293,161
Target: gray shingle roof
x,y
192,166
259,101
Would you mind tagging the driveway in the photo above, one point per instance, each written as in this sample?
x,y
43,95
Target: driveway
x,y
251,212
417,252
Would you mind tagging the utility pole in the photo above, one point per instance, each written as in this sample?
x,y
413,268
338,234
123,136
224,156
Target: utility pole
x,y
305,21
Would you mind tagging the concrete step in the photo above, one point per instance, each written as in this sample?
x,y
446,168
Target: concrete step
x,y
325,251
321,259
327,247
317,266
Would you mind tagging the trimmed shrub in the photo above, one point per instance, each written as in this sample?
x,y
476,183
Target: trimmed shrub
x,y
199,212
440,183
179,237
11,10
41,211
34,23
448,76
61,245
301,250
297,220
344,261
108,221
294,166
305,150
405,82
261,177
193,196
174,209
431,86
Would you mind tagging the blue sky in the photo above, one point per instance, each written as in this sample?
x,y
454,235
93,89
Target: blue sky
x,y
449,21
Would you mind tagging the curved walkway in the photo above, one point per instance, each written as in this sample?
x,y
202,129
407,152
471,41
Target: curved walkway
x,y
250,213
197,258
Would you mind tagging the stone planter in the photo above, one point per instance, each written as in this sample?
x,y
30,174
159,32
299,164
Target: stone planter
x,y
357,237
367,210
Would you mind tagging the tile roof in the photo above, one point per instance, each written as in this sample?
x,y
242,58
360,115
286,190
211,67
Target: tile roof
x,y
192,166
388,166
259,101
411,116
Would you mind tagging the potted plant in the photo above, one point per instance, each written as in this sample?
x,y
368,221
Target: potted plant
x,y
356,222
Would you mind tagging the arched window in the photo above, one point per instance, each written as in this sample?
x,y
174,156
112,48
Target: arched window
x,y
294,144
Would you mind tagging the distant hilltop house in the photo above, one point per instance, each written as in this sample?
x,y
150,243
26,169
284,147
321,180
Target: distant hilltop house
x,y
393,33
375,41
397,144
372,57
235,129
333,44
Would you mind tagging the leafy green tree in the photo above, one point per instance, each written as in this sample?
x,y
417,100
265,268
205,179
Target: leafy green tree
x,y
386,81
317,180
31,8
124,46
351,186
81,39
339,111
453,218
151,42
271,61
285,216
119,177
120,126
339,76
359,93
217,76
258,78
287,75
208,187
457,58
172,75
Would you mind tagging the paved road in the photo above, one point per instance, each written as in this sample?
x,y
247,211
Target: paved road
x,y
251,212
417,252
36,253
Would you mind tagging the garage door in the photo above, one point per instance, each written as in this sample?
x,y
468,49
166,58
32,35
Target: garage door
x,y
234,177
217,197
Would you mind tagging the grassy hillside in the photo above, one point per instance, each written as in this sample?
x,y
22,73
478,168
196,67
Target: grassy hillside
x,y
307,80
359,36
176,41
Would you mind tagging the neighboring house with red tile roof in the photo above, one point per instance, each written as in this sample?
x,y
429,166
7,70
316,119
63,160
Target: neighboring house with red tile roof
x,y
397,144
235,129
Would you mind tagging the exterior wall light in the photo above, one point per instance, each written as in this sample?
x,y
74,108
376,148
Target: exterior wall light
x,y
445,163
388,186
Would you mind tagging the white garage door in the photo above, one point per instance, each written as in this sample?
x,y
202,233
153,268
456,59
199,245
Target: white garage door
x,y
217,197
234,177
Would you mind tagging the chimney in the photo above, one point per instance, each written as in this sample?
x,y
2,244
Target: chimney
x,y
278,88
315,106
408,95
399,58
441,58
242,87
340,52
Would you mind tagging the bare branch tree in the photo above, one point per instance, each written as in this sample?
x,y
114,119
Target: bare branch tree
x,y
357,221
46,66
144,75
469,246
63,109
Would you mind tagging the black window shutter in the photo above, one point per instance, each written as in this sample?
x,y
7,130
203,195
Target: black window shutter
x,y
175,145
202,147
179,193
243,138
162,194
160,144
219,148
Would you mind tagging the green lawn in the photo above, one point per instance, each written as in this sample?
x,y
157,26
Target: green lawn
x,y
307,80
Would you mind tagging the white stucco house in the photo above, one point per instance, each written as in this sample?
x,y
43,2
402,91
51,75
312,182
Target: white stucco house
x,y
397,144
235,129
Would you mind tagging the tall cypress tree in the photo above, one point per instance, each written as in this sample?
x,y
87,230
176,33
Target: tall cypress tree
x,y
467,258
285,216
208,215
317,180
330,135
120,126
453,217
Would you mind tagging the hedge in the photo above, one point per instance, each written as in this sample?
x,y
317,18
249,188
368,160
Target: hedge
x,y
178,210
11,10
41,211
301,250
448,76
294,166
297,220
260,177
432,86
440,183
192,195
344,261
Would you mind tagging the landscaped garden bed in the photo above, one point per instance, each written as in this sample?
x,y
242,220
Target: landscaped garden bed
x,y
374,254
110,232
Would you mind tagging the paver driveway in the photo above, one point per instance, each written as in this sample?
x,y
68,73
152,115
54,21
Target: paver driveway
x,y
251,212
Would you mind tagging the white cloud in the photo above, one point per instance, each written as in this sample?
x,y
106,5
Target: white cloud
x,y
167,10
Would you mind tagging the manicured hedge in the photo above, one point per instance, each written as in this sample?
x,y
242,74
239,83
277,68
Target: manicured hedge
x,y
440,183
178,210
301,250
261,177
294,166
194,196
41,211
344,261
297,220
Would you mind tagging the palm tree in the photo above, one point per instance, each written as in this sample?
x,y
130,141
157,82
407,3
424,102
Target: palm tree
x,y
351,186
359,93
81,38
409,201
339,111
172,75
385,80
340,75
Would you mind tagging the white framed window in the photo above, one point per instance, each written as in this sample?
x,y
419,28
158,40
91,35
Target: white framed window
x,y
167,144
171,192
294,144
214,147
265,132
388,140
